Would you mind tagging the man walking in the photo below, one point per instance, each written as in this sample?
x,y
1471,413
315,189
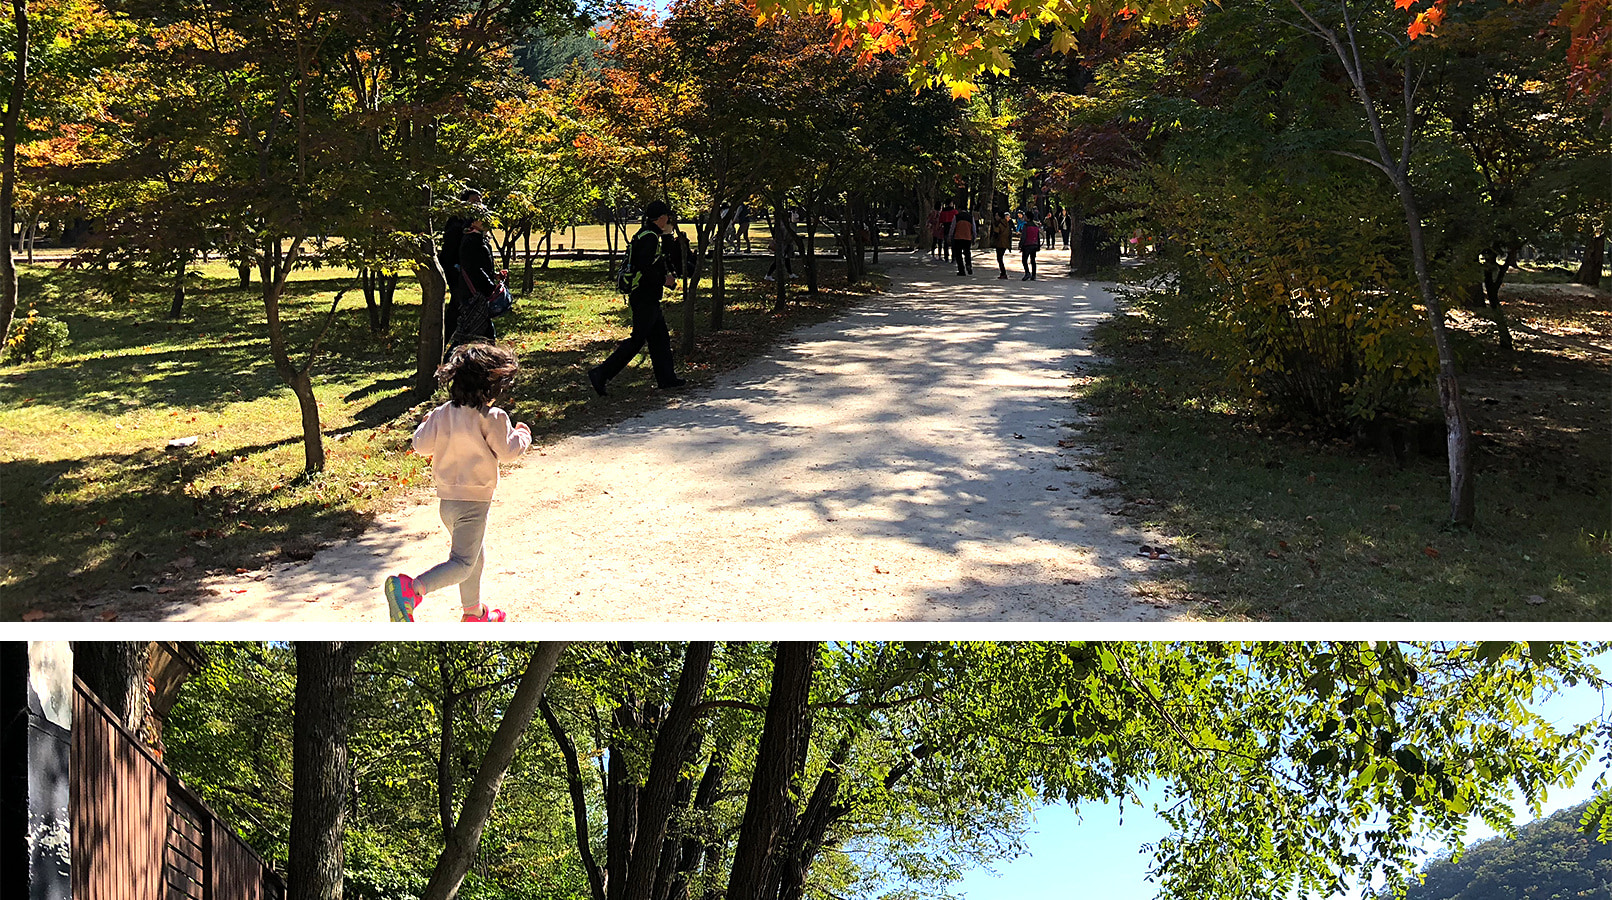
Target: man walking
x,y
649,272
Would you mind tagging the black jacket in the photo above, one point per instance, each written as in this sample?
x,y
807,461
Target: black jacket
x,y
476,260
650,256
453,234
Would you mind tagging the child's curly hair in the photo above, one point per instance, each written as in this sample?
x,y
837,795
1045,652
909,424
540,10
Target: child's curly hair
x,y
479,372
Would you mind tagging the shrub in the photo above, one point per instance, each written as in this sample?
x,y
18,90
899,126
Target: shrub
x,y
1292,288
36,337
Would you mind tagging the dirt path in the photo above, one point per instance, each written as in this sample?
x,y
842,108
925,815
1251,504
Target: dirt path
x,y
899,463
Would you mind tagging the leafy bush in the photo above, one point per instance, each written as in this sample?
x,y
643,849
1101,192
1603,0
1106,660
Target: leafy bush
x,y
36,337
1293,289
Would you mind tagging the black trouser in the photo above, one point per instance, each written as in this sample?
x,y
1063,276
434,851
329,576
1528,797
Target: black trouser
x,y
1000,264
961,251
648,327
456,300
1027,254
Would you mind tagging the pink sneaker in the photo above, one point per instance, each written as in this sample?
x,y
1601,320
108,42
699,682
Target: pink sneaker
x,y
401,598
487,615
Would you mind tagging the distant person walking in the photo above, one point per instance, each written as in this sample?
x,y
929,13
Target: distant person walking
x,y
649,272
937,231
741,228
948,215
1029,244
1002,240
466,438
479,277
963,241
453,233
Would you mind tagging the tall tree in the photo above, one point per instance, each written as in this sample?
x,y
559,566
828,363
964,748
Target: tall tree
x,y
483,793
321,770
778,761
8,160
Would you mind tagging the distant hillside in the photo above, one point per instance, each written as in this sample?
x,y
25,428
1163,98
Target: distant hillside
x,y
548,56
1549,859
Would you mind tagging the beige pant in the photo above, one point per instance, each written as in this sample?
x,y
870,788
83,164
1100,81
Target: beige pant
x,y
467,525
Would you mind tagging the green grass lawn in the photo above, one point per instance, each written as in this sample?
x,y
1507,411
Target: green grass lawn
x,y
1278,524
92,501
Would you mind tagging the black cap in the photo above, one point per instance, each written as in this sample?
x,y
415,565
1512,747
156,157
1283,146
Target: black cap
x,y
656,209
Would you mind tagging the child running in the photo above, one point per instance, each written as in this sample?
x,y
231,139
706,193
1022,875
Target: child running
x,y
466,438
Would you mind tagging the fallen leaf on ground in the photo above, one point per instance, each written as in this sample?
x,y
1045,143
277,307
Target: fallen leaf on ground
x,y
109,615
1431,553
1535,600
1272,554
165,590
33,615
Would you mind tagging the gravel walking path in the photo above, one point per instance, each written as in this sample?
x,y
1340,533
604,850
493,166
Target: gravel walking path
x,y
900,463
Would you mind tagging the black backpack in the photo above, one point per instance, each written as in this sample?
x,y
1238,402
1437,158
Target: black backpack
x,y
626,277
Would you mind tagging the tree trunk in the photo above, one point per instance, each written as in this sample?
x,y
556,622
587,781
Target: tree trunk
x,y
388,290
621,801
1589,270
8,159
319,768
719,288
1077,239
446,780
811,828
694,849
1458,436
767,807
313,439
579,801
366,282
177,307
461,848
1494,275
433,295
300,382
526,261
655,805
115,671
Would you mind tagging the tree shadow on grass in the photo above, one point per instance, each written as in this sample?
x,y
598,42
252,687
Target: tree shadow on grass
x,y
216,355
79,540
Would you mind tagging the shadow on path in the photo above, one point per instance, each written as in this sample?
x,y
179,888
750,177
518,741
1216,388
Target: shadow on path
x,y
902,462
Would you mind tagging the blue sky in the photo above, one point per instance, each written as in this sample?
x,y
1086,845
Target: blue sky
x,y
1104,857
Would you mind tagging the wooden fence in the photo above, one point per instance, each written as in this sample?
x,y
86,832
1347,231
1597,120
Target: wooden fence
x,y
139,834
